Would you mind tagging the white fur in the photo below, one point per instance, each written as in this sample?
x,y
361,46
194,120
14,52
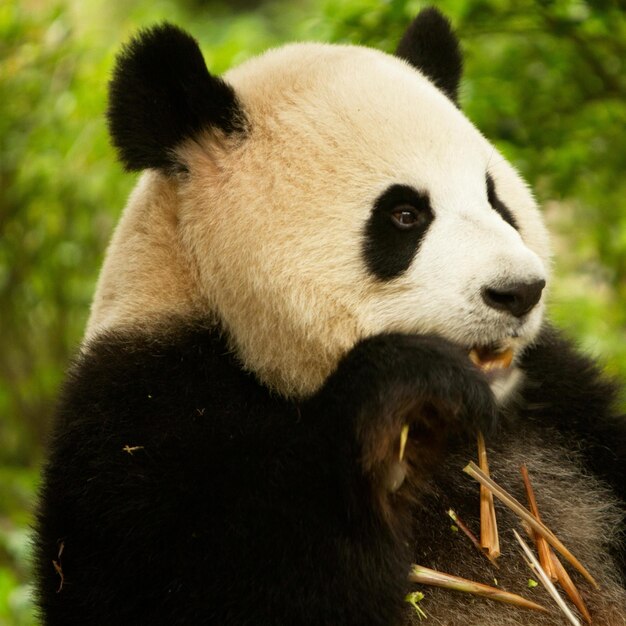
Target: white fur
x,y
265,232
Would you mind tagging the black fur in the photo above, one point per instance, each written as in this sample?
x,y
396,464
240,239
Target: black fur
x,y
162,93
387,250
497,204
584,415
430,45
568,389
183,492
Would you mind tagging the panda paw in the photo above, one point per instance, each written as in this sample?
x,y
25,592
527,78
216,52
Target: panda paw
x,y
409,395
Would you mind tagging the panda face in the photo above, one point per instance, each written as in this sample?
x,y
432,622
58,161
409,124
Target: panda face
x,y
360,201
316,195
461,270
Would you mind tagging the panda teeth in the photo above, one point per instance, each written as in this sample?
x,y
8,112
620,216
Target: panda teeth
x,y
474,358
489,358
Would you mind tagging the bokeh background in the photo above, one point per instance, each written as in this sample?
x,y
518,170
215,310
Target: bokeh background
x,y
545,80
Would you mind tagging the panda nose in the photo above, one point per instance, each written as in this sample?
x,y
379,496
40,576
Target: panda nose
x,y
515,298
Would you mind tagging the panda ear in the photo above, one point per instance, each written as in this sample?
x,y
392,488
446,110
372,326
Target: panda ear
x,y
162,93
430,45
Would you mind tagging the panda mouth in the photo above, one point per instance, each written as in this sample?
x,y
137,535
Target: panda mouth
x,y
492,359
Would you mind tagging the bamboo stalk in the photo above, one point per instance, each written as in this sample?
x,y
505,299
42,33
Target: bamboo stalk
x,y
477,474
404,435
543,548
569,587
563,578
489,540
426,576
470,535
547,583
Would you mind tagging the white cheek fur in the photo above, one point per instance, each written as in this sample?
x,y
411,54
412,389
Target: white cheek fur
x,y
441,291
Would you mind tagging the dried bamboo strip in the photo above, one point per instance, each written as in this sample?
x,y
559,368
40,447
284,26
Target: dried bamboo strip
x,y
470,535
489,539
569,587
477,474
543,547
427,576
547,583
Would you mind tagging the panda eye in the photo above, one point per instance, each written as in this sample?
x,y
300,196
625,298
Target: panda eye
x,y
398,222
405,217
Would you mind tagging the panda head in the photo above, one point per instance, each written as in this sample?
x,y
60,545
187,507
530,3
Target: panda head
x,y
313,196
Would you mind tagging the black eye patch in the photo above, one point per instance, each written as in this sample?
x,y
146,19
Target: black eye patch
x,y
399,220
497,204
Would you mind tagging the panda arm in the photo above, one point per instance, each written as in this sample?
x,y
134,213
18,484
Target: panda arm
x,y
180,491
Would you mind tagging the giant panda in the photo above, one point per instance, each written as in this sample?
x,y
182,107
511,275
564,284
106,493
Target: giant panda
x,y
319,242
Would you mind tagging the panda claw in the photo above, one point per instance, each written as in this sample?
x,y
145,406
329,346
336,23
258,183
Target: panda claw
x,y
395,476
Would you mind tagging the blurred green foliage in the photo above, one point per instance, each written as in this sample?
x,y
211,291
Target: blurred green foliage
x,y
545,80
